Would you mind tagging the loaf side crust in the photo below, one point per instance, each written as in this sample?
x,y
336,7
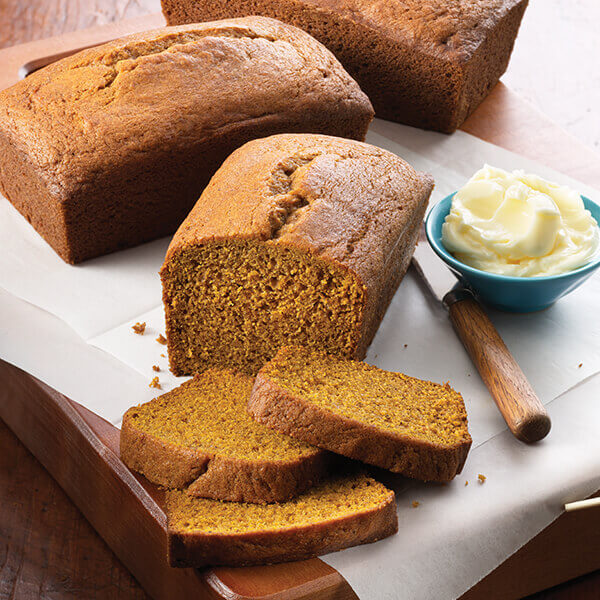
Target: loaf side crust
x,y
489,60
277,408
392,274
218,477
23,185
187,549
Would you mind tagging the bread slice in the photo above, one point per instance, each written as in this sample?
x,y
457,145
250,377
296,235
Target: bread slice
x,y
390,420
200,435
344,511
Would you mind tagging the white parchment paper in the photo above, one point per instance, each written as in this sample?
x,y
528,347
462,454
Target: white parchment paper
x,y
71,327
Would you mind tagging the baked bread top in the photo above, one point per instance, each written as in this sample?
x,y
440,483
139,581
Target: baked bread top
x,y
111,104
450,29
345,201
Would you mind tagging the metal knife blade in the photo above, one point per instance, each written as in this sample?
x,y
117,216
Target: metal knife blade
x,y
436,275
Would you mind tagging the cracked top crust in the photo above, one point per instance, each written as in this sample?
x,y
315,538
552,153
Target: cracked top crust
x,y
148,91
448,30
344,201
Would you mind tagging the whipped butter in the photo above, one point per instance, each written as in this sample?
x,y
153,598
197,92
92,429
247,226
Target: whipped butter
x,y
520,225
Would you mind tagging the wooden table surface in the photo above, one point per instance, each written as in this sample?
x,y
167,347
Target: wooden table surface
x,y
47,549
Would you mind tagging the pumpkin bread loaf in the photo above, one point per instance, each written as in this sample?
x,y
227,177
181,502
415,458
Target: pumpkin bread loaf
x,y
390,420
343,511
200,435
298,239
426,63
112,146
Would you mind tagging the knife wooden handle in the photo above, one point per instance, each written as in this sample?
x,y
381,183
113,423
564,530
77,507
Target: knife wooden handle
x,y
522,410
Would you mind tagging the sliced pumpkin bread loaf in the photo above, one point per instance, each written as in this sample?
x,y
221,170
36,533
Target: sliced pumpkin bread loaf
x,y
200,435
417,428
298,239
343,511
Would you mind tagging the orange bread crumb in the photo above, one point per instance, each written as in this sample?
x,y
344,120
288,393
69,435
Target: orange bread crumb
x,y
139,328
298,239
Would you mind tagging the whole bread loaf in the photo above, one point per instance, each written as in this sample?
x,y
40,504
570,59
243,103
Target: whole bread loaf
x,y
111,147
298,238
427,63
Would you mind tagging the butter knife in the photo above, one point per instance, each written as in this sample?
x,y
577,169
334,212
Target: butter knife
x,y
522,410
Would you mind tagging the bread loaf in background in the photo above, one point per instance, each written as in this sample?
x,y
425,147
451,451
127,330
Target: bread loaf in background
x,y
112,146
426,63
298,239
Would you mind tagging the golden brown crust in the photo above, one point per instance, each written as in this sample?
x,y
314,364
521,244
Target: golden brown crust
x,y
218,477
427,63
340,201
111,147
196,549
279,409
163,463
260,482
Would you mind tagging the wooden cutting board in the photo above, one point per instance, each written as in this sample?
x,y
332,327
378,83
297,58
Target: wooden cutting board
x,y
80,449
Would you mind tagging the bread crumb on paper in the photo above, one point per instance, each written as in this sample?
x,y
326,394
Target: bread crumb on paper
x,y
481,478
139,328
155,368
580,365
415,504
154,383
161,339
466,483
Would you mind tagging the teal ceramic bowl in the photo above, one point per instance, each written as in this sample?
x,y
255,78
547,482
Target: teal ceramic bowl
x,y
512,294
